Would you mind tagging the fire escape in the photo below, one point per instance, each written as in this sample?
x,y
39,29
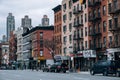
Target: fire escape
x,y
78,25
95,30
114,24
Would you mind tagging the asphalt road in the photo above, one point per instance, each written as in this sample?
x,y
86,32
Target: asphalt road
x,y
39,75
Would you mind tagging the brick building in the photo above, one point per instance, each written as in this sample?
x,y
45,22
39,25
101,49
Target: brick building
x,y
12,48
4,54
58,29
113,49
33,50
95,30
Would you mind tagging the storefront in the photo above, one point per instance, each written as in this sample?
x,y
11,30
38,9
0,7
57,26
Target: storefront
x,y
85,59
113,54
60,58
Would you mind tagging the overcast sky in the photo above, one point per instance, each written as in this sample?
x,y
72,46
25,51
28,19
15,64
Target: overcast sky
x,y
34,8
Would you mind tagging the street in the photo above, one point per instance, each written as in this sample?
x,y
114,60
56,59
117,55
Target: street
x,y
39,75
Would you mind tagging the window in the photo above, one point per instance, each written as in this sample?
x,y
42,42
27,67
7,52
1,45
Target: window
x,y
74,9
110,40
64,39
70,15
98,12
41,52
90,30
64,29
116,22
90,44
64,18
41,43
70,4
85,17
85,5
116,40
90,15
77,7
109,7
81,19
64,7
99,27
70,27
82,46
89,2
115,4
75,47
70,38
94,13
104,42
78,33
75,34
86,44
104,10
41,35
81,32
99,42
65,50
104,26
110,23
85,31
59,16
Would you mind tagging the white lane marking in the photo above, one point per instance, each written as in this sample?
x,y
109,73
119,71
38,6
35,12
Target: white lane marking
x,y
81,78
40,79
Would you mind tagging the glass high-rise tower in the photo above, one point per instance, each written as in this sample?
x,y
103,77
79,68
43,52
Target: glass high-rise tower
x,y
10,24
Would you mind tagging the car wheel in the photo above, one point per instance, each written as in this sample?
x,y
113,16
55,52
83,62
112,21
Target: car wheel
x,y
92,72
105,73
64,71
117,74
43,70
47,70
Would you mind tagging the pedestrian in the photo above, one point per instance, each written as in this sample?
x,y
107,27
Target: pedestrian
x,y
76,66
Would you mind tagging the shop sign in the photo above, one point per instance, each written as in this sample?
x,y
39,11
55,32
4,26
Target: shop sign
x,y
41,58
80,54
60,57
113,50
89,53
57,57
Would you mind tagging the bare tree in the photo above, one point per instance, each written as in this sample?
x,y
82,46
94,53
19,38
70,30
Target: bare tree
x,y
51,45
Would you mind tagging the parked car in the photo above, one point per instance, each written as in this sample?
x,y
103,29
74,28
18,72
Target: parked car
x,y
118,72
118,69
59,67
104,67
3,68
46,68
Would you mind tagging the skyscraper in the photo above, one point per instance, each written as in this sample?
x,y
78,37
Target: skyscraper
x,y
10,24
26,23
45,21
4,38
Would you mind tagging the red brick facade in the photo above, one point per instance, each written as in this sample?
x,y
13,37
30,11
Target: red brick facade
x,y
57,29
12,47
38,37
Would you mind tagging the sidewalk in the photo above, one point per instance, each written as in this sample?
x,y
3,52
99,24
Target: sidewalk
x,y
83,72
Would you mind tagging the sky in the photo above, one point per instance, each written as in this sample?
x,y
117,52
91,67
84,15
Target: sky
x,y
35,9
